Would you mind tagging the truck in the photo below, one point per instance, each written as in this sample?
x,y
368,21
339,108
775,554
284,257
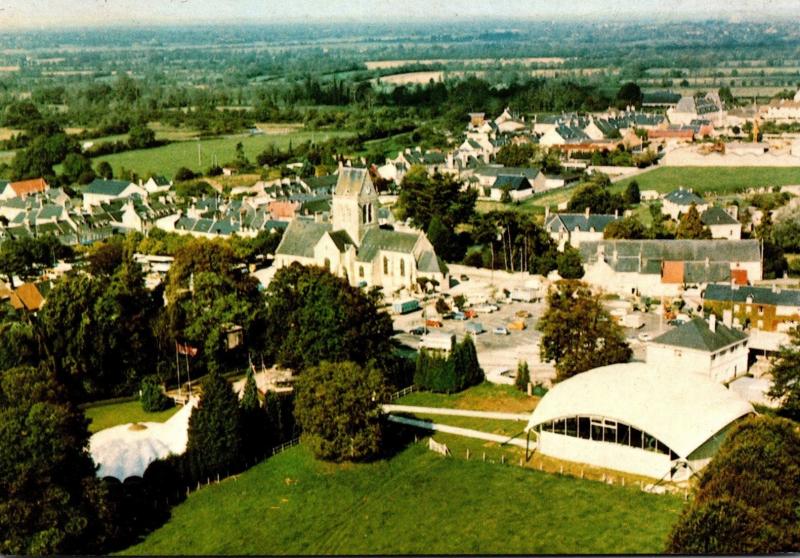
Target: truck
x,y
406,306
523,295
517,325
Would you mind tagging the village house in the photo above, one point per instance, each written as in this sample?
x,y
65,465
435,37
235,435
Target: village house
x,y
679,201
708,348
101,190
689,108
782,110
575,228
22,189
666,267
518,188
721,224
156,184
353,245
764,308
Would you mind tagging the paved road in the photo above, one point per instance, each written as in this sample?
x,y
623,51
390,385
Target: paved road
x,y
466,432
455,412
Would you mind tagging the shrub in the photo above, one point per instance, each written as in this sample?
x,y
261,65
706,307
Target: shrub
x,y
152,397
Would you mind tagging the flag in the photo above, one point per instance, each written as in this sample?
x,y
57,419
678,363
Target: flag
x,y
185,349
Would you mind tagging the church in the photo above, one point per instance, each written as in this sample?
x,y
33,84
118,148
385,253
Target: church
x,y
353,246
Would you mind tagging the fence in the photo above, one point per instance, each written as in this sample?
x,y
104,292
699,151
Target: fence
x,y
286,445
401,393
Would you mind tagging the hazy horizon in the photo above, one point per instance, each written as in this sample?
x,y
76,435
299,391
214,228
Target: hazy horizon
x,y
65,14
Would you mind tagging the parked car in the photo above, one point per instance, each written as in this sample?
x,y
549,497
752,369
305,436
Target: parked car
x,y
523,314
645,337
486,308
418,331
433,323
464,277
475,327
470,313
517,325
448,315
500,330
460,316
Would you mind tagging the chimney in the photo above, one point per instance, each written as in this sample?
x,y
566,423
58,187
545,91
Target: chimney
x,y
727,318
712,322
588,210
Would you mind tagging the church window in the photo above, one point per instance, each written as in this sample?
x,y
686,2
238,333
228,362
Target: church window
x,y
402,268
385,265
327,264
361,271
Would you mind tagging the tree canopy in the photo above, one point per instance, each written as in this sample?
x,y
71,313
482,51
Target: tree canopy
x,y
578,333
691,227
338,408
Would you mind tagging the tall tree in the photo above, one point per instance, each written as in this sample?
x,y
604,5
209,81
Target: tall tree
x,y
215,443
51,502
786,376
338,406
629,227
748,496
313,316
691,227
578,333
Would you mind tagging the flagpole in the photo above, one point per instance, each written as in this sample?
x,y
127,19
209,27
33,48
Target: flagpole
x,y
186,354
178,368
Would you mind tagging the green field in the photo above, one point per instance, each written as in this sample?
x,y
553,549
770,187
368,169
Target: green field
x,y
168,158
106,416
718,180
417,502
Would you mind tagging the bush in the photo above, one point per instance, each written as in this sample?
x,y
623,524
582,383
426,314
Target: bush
x,y
449,375
523,376
183,174
152,397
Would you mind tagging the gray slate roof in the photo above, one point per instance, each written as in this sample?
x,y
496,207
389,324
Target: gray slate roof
x,y
300,238
106,187
759,295
505,182
696,334
376,240
571,221
350,181
499,170
717,216
684,197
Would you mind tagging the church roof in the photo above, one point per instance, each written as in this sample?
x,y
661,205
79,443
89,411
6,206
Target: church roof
x,y
301,237
351,181
376,240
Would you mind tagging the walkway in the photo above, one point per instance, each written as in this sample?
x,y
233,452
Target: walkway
x,y
455,412
466,432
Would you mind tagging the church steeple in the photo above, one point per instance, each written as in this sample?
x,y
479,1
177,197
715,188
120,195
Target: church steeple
x,y
354,207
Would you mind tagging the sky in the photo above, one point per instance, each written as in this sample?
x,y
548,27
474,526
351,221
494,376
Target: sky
x,y
74,13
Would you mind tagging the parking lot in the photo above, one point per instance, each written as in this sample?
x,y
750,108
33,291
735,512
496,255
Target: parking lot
x,y
496,353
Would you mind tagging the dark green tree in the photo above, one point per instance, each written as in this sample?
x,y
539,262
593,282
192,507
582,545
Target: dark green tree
x,y
748,496
628,227
596,198
578,333
77,168
570,264
255,428
629,94
215,443
51,503
786,376
153,397
104,170
632,196
338,409
313,316
141,137
523,376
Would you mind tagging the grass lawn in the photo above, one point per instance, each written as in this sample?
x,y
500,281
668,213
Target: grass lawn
x,y
168,158
484,397
417,502
492,426
113,414
717,180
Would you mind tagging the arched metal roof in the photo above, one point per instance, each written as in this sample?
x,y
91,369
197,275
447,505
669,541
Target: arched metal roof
x,y
678,407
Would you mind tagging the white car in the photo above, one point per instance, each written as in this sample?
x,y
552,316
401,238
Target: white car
x,y
500,330
645,337
486,308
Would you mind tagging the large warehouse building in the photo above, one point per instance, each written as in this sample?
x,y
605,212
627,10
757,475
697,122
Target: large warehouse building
x,y
637,419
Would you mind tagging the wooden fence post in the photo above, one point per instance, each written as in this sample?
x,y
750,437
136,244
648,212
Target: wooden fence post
x,y
503,458
560,469
484,456
467,454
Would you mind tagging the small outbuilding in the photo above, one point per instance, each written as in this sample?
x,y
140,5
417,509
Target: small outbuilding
x,y
636,419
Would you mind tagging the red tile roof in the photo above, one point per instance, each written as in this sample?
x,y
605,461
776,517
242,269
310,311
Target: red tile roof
x,y
24,188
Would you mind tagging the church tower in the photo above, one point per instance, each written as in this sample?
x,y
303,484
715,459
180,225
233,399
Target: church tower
x,y
354,207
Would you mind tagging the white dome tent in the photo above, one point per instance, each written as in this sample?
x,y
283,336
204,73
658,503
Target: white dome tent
x,y
126,450
637,419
